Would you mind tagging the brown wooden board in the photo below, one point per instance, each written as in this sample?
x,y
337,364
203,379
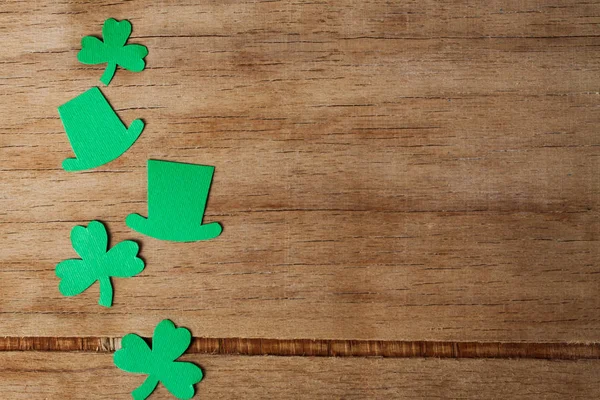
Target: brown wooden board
x,y
383,171
66,376
398,179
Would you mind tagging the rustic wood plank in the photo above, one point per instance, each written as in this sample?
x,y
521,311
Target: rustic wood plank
x,y
442,280
290,21
413,171
67,376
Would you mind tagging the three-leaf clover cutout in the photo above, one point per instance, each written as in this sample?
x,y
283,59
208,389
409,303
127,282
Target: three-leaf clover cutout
x,y
168,344
96,263
113,50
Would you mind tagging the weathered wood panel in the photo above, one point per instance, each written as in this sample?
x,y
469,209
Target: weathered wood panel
x,y
410,171
69,376
453,277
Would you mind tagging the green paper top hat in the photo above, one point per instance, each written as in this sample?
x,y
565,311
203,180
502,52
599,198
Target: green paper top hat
x,y
177,195
95,132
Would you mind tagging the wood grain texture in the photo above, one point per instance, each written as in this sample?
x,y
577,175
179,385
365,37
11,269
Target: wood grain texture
x,y
324,348
69,376
384,171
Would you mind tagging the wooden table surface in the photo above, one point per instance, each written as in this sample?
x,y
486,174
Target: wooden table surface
x,y
409,192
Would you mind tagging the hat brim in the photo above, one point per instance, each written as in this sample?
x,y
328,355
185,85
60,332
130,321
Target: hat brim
x,y
164,231
79,164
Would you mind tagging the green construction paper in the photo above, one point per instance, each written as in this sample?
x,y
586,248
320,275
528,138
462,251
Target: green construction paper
x,y
95,132
113,50
177,196
168,344
97,264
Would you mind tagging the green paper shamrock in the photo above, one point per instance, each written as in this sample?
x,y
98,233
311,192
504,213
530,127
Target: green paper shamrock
x,y
168,344
97,264
113,50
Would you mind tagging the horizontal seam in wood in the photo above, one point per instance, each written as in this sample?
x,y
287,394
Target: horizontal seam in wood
x,y
324,347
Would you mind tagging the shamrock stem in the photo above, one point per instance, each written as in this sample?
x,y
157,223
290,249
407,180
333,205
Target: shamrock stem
x,y
145,389
106,292
109,72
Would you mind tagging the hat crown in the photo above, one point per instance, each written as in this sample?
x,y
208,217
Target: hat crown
x,y
92,126
177,192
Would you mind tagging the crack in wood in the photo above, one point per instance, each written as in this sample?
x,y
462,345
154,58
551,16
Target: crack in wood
x,y
324,347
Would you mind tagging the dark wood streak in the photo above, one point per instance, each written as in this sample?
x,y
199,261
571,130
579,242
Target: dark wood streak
x,y
325,348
